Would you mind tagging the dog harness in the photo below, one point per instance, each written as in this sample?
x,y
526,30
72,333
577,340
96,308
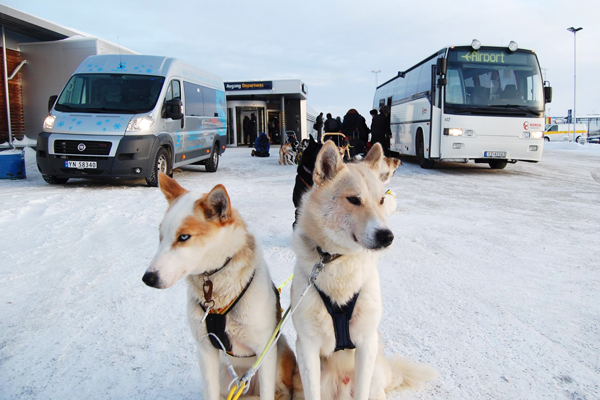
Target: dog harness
x,y
340,315
216,317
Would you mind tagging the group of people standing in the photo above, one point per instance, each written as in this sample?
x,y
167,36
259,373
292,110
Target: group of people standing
x,y
355,128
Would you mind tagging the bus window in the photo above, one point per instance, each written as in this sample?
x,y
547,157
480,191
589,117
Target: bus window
x,y
454,89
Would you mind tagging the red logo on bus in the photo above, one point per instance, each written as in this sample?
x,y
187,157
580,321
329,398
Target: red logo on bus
x,y
526,125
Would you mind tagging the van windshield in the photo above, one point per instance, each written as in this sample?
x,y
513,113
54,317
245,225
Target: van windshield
x,y
110,93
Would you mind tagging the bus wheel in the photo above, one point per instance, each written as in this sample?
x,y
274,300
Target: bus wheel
x,y
212,163
425,163
161,164
498,164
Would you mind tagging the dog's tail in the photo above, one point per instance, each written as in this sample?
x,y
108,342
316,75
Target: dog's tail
x,y
406,374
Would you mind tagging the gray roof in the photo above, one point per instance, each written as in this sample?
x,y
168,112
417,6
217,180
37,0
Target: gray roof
x,y
34,27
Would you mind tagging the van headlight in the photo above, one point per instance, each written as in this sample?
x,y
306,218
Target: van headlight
x,y
140,124
49,121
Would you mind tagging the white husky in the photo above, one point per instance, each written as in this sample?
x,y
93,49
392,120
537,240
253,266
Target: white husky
x,y
204,239
342,222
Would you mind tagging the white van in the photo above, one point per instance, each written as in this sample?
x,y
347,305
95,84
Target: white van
x,y
132,116
564,133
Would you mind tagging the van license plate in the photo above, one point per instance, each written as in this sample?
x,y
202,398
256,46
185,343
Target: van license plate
x,y
81,164
494,154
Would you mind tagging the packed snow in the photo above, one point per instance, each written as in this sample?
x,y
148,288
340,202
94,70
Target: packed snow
x,y
493,278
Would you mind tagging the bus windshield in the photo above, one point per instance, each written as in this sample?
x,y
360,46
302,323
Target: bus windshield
x,y
110,93
493,81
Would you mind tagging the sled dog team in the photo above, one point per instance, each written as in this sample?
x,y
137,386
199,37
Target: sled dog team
x,y
341,226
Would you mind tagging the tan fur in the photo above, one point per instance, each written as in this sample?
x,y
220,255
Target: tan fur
x,y
198,234
344,213
286,154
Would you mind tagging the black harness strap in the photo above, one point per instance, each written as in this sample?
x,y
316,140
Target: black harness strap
x,y
341,316
215,324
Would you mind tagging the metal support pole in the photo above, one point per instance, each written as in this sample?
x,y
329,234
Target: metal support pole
x,y
282,122
574,117
6,95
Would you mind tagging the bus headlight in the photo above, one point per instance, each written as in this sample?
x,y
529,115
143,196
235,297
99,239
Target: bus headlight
x,y
140,124
49,122
453,132
537,134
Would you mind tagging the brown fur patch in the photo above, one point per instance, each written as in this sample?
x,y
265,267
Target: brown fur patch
x,y
170,188
288,367
196,228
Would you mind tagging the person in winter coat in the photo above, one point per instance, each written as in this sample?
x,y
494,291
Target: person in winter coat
x,y
261,146
381,131
356,130
318,126
252,128
247,128
331,125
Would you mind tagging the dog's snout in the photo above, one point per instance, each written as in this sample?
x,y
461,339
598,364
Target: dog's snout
x,y
385,237
151,279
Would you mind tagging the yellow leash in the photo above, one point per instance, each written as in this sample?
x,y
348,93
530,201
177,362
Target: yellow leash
x,y
236,392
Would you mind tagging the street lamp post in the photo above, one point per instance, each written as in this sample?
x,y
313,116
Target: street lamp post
x,y
376,72
575,30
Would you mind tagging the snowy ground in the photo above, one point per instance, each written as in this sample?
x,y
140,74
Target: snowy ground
x,y
493,278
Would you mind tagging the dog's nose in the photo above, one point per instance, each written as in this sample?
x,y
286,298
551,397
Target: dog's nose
x,y
151,279
385,237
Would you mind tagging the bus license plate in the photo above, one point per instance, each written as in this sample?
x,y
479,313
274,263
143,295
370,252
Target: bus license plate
x,y
81,164
494,154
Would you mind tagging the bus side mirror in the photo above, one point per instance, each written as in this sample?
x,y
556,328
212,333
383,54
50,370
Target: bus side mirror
x,y
174,108
441,66
51,102
548,94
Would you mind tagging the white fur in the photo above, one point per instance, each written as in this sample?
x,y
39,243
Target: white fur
x,y
253,319
326,220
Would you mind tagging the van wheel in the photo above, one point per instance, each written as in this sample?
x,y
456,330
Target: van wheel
x,y
53,180
161,164
212,163
498,164
425,163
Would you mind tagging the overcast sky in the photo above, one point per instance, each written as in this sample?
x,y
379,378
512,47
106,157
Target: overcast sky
x,y
333,46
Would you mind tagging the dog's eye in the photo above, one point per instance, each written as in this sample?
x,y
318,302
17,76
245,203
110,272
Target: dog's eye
x,y
381,201
353,200
183,238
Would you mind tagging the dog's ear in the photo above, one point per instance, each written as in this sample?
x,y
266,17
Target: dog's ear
x,y
216,204
388,168
374,157
170,188
328,163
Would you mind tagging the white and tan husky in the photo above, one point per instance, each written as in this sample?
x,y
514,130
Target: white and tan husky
x,y
204,239
343,217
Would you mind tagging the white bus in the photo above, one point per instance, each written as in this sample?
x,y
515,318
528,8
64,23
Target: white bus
x,y
463,103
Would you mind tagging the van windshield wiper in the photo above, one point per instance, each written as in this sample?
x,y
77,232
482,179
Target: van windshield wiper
x,y
65,107
106,110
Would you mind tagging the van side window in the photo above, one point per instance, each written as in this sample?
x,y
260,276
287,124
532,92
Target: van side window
x,y
553,128
210,102
173,91
193,98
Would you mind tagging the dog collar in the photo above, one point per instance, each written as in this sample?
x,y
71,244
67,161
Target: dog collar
x,y
214,271
326,258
